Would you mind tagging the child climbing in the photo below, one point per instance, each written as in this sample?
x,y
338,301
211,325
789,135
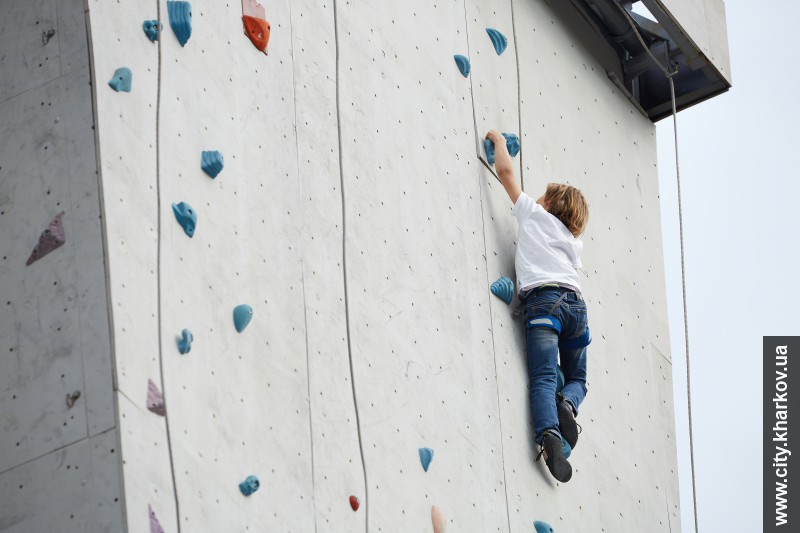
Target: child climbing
x,y
548,254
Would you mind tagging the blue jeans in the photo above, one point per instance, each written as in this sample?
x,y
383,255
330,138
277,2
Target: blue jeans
x,y
547,311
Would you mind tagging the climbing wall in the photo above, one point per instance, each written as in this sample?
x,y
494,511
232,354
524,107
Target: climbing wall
x,y
299,242
58,434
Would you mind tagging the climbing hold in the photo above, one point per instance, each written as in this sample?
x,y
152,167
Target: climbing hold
x,y
155,400
212,163
463,64
256,26
559,379
567,448
50,239
437,517
498,40
47,35
180,19
242,314
512,143
503,288
155,526
151,28
121,80
185,344
249,485
543,527
186,217
354,503
258,31
72,398
426,456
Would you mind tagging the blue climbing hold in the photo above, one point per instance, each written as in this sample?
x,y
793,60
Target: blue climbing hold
x,y
567,447
186,217
122,80
543,527
503,288
212,162
512,143
249,485
426,456
185,344
463,64
499,40
242,314
151,28
180,19
559,379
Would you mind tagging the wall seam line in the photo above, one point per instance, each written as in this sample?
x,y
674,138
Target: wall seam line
x,y
303,277
344,264
87,15
519,100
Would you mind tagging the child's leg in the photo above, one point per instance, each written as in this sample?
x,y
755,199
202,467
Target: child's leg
x,y
573,364
542,347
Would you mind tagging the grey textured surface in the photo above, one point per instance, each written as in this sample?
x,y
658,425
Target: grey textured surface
x,y
54,333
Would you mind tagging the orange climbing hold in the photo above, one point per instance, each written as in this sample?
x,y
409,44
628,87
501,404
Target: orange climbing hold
x,y
257,30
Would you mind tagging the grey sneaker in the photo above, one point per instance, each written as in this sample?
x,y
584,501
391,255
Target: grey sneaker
x,y
553,450
566,422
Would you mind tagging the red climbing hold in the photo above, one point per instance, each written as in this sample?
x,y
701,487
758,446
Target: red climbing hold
x,y
257,30
354,503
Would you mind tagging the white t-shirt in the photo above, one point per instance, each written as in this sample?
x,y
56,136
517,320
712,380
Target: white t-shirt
x,y
547,252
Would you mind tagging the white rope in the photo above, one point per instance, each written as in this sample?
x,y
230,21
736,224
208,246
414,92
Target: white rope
x,y
669,75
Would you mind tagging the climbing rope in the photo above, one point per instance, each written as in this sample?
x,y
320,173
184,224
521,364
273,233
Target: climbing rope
x,y
669,75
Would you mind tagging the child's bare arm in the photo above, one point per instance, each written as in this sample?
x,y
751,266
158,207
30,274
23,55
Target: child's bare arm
x,y
503,165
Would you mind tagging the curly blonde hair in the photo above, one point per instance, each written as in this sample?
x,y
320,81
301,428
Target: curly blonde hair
x,y
568,205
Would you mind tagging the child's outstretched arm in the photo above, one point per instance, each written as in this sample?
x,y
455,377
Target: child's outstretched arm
x,y
505,170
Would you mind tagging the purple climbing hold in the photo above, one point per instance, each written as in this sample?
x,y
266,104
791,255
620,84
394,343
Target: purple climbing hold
x,y
155,526
50,239
155,400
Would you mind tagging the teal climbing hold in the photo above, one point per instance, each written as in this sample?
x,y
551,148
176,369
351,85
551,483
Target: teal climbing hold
x,y
499,40
426,456
512,144
463,64
122,80
185,344
567,447
559,379
186,217
151,28
212,162
180,19
242,315
249,485
543,527
503,288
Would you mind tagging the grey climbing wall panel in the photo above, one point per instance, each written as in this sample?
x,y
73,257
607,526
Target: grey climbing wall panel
x,y
56,470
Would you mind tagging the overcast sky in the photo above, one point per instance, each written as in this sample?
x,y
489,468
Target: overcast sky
x,y
740,190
